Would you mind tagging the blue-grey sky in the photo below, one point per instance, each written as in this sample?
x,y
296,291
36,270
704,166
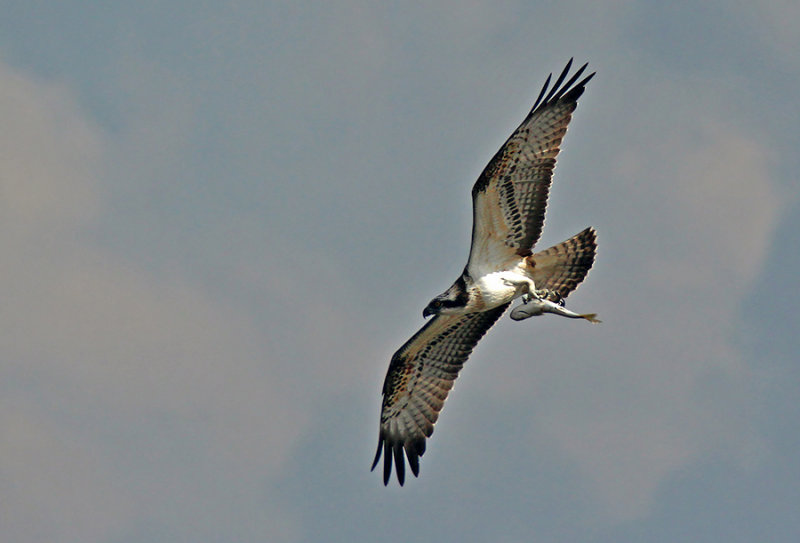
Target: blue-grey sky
x,y
219,220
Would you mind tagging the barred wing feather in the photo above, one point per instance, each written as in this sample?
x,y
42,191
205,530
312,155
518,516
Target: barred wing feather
x,y
510,196
561,268
419,379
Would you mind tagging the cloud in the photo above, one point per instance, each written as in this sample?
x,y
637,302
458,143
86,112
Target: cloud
x,y
774,22
54,486
127,394
49,159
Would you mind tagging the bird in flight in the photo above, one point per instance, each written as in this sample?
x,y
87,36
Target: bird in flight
x,y
508,206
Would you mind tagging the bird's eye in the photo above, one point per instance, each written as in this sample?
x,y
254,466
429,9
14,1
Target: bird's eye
x,y
437,304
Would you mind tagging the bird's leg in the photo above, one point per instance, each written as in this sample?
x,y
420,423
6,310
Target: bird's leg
x,y
530,293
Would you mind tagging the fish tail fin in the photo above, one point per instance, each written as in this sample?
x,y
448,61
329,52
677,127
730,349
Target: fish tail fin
x,y
591,317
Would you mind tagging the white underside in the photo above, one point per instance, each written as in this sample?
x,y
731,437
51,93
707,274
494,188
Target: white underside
x,y
501,287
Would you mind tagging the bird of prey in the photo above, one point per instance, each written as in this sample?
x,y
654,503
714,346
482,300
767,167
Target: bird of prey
x,y
508,202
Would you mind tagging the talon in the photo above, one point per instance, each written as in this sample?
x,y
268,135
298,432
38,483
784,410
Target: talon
x,y
545,294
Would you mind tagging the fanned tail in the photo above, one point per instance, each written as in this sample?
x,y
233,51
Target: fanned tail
x,y
561,268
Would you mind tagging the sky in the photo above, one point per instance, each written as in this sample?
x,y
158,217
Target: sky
x,y
219,220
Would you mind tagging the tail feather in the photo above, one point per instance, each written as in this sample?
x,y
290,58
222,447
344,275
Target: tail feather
x,y
561,268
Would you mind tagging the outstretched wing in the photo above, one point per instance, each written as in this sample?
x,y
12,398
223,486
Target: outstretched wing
x,y
510,196
420,376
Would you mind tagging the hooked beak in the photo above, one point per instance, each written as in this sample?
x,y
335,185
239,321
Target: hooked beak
x,y
427,312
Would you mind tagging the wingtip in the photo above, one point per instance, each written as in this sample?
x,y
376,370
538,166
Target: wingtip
x,y
587,78
396,455
399,463
391,453
413,452
589,235
560,90
387,463
542,92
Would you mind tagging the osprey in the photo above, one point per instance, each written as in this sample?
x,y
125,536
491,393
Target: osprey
x,y
508,203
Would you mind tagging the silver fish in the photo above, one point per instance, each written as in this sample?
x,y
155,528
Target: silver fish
x,y
538,306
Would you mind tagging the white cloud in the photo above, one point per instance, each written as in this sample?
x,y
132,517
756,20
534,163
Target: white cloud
x,y
125,392
49,158
775,24
722,204
54,486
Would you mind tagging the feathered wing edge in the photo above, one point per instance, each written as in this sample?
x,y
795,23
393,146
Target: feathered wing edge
x,y
564,92
451,348
558,91
525,200
569,91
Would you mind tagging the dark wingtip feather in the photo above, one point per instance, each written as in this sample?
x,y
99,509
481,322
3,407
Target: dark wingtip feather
x,y
414,450
400,463
413,463
558,82
568,85
377,453
387,463
541,92
394,454
576,91
569,91
383,450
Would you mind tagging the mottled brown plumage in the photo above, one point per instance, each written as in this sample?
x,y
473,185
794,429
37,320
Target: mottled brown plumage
x,y
420,376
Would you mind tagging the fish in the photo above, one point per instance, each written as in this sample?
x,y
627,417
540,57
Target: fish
x,y
536,306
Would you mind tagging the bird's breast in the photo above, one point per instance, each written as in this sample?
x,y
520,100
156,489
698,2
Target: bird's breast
x,y
495,289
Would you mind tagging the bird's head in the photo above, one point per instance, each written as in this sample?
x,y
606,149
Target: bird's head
x,y
451,301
